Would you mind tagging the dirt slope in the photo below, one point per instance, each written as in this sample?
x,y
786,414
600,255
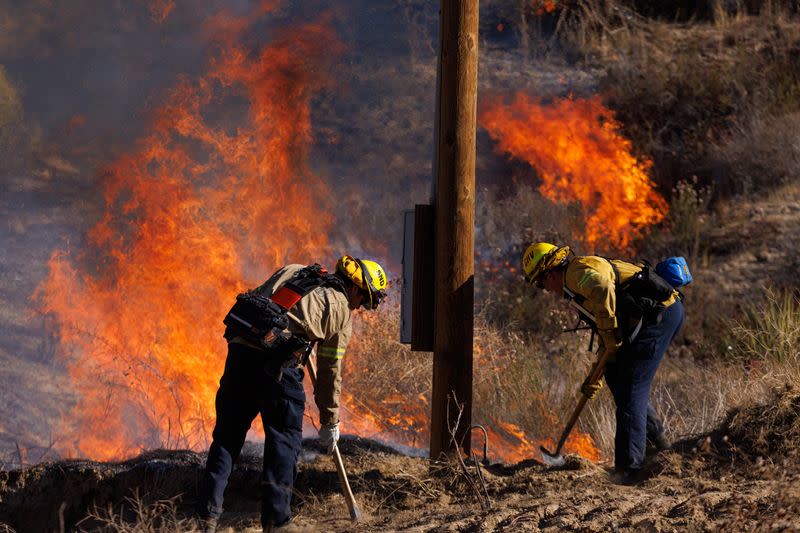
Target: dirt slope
x,y
757,243
742,476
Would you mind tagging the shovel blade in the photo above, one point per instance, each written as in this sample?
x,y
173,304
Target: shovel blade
x,y
355,513
551,459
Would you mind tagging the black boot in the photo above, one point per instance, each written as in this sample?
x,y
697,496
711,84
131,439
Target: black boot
x,y
207,525
661,443
626,476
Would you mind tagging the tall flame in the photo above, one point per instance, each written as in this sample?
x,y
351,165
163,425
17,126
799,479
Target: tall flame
x,y
204,207
580,156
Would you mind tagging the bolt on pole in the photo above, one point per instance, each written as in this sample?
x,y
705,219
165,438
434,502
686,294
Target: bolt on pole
x,y
454,204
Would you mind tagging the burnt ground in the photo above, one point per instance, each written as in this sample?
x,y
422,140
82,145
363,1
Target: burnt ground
x,y
744,475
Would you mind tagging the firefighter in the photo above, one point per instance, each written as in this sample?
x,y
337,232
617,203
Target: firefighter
x,y
635,319
268,381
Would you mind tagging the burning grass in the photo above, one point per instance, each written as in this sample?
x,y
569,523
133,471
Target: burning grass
x,y
577,152
198,211
521,390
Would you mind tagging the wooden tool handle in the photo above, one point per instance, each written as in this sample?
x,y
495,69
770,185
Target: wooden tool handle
x,y
350,500
597,373
352,505
574,418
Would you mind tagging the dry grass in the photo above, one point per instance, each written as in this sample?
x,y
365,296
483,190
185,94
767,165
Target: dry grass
x,y
531,379
10,113
138,515
770,332
693,95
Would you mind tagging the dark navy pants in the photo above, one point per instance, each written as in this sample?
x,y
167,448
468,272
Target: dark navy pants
x,y
248,387
629,378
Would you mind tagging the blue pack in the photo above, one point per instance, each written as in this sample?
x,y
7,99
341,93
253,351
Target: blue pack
x,y
675,271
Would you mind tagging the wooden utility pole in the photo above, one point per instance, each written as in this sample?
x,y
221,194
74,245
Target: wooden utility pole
x,y
454,204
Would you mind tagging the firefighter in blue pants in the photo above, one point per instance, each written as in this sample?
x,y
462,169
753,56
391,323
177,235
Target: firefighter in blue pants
x,y
635,320
259,379
629,378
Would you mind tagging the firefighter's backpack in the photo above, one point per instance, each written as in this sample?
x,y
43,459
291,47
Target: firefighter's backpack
x,y
263,319
675,271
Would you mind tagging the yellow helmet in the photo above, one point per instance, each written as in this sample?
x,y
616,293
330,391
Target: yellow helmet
x,y
373,283
540,257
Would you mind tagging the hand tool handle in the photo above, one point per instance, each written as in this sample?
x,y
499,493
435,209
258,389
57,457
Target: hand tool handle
x,y
352,505
574,418
597,373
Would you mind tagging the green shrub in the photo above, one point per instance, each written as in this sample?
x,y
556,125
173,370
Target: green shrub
x,y
770,332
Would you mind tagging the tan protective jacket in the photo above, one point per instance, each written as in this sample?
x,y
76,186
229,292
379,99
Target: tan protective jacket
x,y
322,315
592,278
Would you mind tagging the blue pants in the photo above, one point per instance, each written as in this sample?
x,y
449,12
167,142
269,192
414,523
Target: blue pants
x,y
629,378
248,387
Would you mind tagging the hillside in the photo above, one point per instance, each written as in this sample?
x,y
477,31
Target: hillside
x,y
742,476
156,159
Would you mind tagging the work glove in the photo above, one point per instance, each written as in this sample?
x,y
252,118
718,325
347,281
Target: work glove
x,y
329,435
589,389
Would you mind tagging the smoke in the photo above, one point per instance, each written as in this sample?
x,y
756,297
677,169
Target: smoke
x,y
95,76
10,115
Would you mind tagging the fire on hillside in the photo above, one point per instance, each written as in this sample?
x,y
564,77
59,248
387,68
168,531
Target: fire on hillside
x,y
579,156
138,311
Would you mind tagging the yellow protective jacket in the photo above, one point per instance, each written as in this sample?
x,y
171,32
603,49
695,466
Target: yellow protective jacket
x,y
591,280
322,315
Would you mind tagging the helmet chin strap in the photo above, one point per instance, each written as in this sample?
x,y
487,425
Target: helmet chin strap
x,y
367,279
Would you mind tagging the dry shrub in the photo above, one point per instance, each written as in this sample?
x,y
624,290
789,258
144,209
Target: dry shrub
x,y
10,114
506,222
529,379
682,91
769,429
759,153
688,217
397,380
138,515
686,226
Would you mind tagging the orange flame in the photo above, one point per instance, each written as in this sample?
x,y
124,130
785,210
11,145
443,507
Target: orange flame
x,y
580,156
544,6
403,418
515,445
160,9
200,210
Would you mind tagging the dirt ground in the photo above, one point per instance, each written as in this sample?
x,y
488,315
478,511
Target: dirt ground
x,y
743,476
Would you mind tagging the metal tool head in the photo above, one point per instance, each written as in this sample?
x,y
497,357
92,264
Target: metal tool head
x,y
355,513
551,459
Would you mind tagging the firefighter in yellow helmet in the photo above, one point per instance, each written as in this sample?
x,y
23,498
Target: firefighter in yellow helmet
x,y
270,331
636,315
